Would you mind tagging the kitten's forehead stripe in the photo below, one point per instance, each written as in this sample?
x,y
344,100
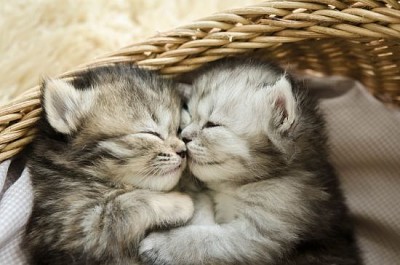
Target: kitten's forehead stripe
x,y
127,96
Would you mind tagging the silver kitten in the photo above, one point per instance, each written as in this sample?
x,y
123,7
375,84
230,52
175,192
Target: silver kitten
x,y
106,153
257,142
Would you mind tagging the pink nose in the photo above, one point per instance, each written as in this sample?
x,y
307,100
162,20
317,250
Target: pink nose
x,y
179,147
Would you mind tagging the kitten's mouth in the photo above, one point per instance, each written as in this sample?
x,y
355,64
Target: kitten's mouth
x,y
203,163
173,171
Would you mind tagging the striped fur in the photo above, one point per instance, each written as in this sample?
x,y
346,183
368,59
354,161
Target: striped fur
x,y
257,141
106,154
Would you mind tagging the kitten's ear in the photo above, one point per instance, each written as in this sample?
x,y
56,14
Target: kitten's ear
x,y
185,90
186,119
283,111
64,106
283,105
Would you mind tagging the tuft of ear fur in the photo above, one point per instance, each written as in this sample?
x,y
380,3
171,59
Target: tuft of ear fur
x,y
283,107
185,91
64,105
185,119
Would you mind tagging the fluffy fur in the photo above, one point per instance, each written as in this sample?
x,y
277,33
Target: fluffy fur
x,y
258,143
106,152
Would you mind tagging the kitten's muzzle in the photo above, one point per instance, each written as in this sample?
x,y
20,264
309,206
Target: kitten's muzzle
x,y
178,146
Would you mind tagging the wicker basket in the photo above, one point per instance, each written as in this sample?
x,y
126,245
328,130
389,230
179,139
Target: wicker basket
x,y
358,39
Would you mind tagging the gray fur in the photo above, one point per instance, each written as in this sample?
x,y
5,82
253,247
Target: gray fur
x,y
105,156
258,143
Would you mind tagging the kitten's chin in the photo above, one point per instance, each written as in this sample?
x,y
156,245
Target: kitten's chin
x,y
164,177
216,172
162,182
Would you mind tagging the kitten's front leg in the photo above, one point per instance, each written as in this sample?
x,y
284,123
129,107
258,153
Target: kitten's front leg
x,y
126,217
203,209
214,244
203,204
173,208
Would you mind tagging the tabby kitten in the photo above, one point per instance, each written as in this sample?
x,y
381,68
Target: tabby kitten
x,y
258,143
106,153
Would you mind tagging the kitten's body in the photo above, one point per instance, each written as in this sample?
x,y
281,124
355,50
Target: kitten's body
x,y
105,154
258,143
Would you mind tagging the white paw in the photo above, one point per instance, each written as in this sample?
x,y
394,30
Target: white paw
x,y
181,206
153,249
173,208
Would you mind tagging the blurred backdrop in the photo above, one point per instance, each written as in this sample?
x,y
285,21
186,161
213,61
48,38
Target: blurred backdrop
x,y
47,37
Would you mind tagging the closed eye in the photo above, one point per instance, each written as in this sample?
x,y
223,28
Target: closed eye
x,y
153,133
210,124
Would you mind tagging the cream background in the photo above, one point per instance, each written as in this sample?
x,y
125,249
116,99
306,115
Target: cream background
x,y
47,37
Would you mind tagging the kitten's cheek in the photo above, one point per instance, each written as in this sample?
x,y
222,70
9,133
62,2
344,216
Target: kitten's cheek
x,y
189,150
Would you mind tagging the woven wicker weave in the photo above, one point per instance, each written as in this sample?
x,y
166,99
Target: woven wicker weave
x,y
359,39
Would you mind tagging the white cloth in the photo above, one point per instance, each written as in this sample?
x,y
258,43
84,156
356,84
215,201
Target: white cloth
x,y
15,207
365,146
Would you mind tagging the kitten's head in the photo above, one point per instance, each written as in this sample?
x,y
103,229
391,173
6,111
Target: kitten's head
x,y
118,123
248,122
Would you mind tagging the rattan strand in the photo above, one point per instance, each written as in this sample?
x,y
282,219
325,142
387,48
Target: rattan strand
x,y
358,39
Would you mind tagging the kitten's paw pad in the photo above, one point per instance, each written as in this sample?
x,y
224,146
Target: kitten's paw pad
x,y
152,250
